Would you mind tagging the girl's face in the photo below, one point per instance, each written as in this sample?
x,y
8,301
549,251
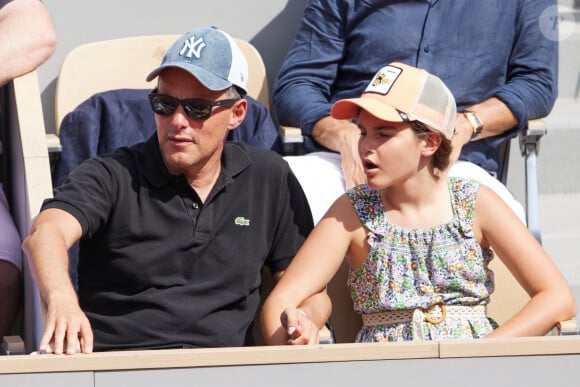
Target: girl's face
x,y
391,152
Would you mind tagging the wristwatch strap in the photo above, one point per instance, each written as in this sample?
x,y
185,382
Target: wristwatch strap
x,y
474,121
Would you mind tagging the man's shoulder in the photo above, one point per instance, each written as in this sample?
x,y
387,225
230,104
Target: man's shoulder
x,y
257,156
123,155
144,148
124,161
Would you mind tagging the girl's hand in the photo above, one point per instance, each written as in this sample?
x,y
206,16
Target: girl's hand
x,y
299,328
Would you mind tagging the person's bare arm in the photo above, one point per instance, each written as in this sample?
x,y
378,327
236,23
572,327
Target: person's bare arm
x,y
551,298
303,323
497,118
28,38
302,287
53,233
342,136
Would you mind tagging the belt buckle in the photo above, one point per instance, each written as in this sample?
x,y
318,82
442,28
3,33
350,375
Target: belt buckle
x,y
431,320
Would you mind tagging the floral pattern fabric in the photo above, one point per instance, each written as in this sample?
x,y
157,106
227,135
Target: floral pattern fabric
x,y
412,268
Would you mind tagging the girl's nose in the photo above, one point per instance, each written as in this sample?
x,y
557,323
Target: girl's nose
x,y
363,145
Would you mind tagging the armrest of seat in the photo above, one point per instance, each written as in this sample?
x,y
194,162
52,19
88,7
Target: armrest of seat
x,y
53,143
529,140
326,335
291,139
12,345
567,328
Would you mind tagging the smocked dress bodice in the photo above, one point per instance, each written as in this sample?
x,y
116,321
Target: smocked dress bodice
x,y
418,268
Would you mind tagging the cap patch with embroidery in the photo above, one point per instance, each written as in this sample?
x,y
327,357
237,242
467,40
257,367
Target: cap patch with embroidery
x,y
383,80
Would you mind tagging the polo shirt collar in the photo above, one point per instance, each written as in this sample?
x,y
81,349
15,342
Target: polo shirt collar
x,y
235,159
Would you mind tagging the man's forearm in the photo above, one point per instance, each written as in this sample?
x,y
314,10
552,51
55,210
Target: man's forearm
x,y
495,116
334,134
46,246
49,265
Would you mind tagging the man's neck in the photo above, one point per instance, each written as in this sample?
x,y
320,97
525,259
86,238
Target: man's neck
x,y
204,179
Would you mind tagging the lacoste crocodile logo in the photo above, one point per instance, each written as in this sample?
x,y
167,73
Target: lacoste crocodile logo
x,y
241,221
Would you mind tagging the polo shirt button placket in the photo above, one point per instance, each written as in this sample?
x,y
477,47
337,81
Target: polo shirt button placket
x,y
194,213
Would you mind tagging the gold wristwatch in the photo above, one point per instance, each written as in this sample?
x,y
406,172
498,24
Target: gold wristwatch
x,y
475,122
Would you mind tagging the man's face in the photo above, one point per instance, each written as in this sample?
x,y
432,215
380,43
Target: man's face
x,y
190,146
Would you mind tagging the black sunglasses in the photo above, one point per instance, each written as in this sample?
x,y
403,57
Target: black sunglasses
x,y
195,108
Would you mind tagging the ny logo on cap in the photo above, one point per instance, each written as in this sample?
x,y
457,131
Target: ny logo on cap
x,y
193,47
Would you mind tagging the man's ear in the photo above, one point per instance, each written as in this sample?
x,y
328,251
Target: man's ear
x,y
432,142
238,113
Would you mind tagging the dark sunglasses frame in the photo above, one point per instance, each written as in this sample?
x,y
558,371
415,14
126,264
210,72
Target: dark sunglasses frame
x,y
195,108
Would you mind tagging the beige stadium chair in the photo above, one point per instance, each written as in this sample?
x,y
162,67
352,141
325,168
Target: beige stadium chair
x,y
30,181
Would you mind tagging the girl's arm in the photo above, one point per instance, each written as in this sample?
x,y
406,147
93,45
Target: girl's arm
x,y
312,268
303,324
551,298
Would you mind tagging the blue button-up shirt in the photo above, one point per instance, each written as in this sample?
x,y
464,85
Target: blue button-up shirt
x,y
479,48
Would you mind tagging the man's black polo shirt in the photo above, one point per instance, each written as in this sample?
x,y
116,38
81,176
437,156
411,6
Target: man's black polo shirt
x,y
158,268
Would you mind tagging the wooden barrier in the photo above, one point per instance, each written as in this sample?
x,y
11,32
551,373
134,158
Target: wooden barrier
x,y
521,361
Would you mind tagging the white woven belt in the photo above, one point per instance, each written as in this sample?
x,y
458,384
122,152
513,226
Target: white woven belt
x,y
436,314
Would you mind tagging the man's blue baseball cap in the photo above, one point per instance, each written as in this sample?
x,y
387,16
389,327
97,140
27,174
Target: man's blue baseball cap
x,y
211,56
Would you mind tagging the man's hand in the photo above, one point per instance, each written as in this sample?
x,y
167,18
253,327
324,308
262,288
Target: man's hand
x,y
463,133
67,329
342,136
299,328
351,162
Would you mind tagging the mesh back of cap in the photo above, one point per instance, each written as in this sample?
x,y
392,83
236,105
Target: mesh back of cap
x,y
436,106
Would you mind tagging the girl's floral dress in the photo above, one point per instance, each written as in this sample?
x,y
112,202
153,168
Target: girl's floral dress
x,y
411,268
